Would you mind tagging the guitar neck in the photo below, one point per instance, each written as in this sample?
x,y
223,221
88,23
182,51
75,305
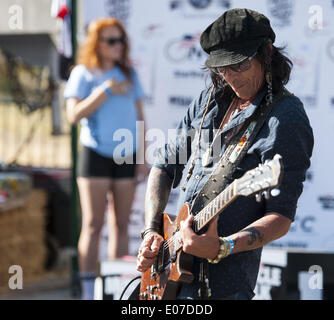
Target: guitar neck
x,y
262,178
215,207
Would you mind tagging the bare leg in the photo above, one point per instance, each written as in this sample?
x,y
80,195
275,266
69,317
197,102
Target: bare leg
x,y
93,192
123,194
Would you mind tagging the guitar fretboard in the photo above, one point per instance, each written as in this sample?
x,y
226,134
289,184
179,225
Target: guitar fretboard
x,y
214,207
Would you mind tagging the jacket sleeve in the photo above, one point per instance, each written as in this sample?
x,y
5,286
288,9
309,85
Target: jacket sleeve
x,y
291,136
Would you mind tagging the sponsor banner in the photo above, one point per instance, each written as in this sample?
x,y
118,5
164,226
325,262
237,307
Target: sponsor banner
x,y
166,52
270,283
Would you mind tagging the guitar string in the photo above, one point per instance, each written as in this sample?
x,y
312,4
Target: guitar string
x,y
202,213
197,218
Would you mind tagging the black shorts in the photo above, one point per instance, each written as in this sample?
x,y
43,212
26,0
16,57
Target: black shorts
x,y
91,164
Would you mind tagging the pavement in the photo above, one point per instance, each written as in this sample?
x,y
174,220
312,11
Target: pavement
x,y
55,284
50,288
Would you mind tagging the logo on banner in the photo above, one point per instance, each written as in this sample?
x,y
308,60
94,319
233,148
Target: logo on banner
x,y
193,7
175,4
305,75
303,224
180,101
309,178
186,48
281,11
188,74
289,244
327,202
200,4
118,9
269,283
152,30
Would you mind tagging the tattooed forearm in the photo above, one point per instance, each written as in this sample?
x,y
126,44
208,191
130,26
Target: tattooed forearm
x,y
270,227
157,194
254,235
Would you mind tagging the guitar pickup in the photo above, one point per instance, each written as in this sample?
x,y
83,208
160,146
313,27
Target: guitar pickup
x,y
159,264
154,273
173,251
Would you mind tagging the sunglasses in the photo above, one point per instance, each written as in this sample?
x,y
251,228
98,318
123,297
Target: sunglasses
x,y
238,67
113,41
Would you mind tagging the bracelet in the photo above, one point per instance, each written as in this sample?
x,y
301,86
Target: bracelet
x,y
225,249
146,231
232,245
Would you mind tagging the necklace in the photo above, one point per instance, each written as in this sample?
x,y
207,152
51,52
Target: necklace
x,y
230,113
206,159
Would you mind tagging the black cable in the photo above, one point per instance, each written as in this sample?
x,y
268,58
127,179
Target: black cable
x,y
127,286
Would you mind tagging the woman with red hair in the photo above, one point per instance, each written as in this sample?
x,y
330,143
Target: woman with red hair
x,y
105,95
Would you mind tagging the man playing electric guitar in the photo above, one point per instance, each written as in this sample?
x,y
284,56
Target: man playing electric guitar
x,y
248,72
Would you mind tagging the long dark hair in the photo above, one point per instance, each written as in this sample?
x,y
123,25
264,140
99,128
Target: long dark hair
x,y
272,60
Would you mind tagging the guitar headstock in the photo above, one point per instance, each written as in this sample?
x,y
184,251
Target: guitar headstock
x,y
265,177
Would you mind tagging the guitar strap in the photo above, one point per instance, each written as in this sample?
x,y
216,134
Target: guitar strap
x,y
222,174
233,155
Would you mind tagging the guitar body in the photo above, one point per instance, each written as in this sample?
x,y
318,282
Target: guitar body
x,y
172,267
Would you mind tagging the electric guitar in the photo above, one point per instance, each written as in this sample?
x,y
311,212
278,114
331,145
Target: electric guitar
x,y
172,266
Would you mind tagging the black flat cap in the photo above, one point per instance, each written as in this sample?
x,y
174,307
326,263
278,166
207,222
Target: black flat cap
x,y
235,36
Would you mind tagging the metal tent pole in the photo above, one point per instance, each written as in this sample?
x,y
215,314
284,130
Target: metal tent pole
x,y
75,205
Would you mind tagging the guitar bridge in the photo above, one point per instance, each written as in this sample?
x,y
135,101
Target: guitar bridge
x,y
173,255
162,261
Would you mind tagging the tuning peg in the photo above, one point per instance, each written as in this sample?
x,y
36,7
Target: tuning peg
x,y
258,197
266,195
275,192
